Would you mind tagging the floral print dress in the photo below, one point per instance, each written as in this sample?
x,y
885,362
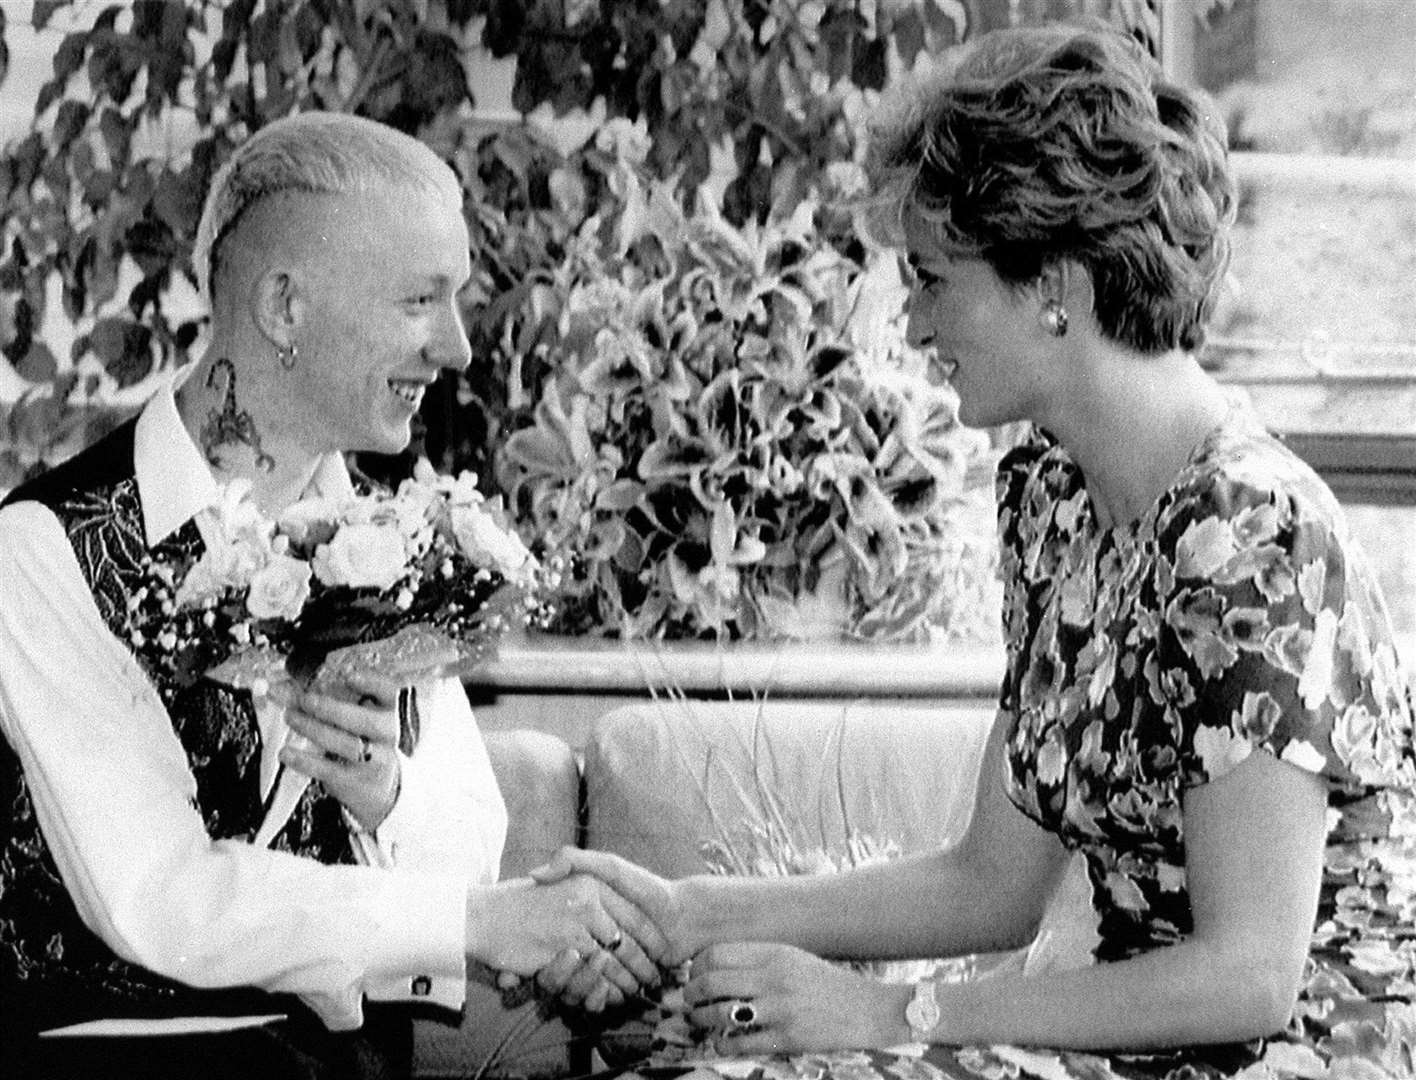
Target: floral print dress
x,y
1154,657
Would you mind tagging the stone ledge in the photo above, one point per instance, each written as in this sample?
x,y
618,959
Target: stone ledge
x,y
546,664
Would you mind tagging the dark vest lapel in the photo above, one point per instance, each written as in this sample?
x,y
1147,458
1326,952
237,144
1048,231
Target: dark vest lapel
x,y
53,970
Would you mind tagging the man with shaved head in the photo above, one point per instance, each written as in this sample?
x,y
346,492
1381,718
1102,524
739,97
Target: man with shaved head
x,y
142,931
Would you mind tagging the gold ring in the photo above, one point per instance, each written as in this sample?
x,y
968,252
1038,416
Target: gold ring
x,y
366,752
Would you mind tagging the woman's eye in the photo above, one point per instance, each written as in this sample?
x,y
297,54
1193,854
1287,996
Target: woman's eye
x,y
926,278
422,300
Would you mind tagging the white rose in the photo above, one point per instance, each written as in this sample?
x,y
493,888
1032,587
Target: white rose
x,y
279,589
486,543
362,557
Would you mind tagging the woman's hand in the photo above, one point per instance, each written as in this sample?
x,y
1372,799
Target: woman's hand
x,y
352,743
756,997
658,899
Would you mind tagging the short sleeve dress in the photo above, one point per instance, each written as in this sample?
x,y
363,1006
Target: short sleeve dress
x,y
1236,616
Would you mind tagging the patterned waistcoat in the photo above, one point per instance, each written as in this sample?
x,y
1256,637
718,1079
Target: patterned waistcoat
x,y
53,969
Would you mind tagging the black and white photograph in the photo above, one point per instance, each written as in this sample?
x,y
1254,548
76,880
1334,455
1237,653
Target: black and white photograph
x,y
708,540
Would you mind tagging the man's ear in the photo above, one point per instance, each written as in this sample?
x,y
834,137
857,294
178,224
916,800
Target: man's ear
x,y
278,305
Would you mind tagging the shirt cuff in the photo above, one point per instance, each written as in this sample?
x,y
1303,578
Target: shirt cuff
x,y
420,955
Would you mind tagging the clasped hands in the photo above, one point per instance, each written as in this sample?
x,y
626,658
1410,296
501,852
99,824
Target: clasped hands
x,y
593,929
596,931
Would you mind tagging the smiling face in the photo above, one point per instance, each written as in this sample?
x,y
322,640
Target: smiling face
x,y
984,334
378,317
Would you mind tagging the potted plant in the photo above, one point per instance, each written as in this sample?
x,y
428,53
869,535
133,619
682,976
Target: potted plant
x,y
732,439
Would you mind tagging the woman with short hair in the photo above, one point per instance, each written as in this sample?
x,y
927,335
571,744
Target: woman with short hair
x,y
1202,703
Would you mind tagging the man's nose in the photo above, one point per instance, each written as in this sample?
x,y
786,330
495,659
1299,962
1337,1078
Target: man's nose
x,y
449,347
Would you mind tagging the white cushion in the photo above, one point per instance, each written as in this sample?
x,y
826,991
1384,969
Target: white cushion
x,y
664,778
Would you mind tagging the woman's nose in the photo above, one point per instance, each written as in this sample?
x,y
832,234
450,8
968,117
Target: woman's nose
x,y
919,330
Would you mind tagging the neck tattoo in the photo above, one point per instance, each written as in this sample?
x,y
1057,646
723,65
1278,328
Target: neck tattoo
x,y
228,425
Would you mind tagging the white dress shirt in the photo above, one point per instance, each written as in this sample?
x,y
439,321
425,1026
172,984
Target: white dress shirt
x,y
113,793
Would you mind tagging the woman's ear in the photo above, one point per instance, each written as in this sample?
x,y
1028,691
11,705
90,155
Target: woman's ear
x,y
1063,295
278,304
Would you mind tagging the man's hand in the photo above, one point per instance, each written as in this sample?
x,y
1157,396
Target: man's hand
x,y
350,743
586,981
659,901
521,928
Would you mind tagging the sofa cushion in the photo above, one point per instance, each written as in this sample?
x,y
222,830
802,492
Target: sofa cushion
x,y
539,779
540,782
778,780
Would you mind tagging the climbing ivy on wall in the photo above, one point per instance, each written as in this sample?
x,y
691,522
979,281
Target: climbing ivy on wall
x,y
148,98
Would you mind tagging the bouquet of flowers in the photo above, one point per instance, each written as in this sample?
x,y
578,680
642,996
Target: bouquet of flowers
x,y
428,563
403,583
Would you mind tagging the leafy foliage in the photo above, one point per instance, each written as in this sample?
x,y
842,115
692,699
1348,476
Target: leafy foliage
x,y
96,194
757,103
723,432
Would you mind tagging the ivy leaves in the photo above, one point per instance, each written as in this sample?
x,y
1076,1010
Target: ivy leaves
x,y
765,99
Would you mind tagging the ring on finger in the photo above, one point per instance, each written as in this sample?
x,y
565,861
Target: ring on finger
x,y
741,1015
366,749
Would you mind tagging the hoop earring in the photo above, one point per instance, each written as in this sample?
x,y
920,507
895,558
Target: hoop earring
x,y
288,355
1054,318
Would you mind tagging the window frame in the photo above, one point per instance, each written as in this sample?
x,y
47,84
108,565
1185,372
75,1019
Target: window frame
x,y
1361,467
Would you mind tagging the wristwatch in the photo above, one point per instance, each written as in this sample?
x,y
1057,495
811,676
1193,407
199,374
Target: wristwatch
x,y
922,1013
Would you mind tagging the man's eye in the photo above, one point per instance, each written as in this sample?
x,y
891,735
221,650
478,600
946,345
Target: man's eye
x,y
422,300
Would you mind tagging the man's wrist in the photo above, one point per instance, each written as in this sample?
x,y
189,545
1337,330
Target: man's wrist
x,y
476,916
358,827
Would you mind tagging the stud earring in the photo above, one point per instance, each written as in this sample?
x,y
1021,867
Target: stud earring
x,y
288,355
1054,318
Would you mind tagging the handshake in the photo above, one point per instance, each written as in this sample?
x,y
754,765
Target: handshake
x,y
596,931
593,929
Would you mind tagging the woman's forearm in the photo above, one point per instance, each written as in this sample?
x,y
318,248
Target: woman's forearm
x,y
1189,993
933,904
985,893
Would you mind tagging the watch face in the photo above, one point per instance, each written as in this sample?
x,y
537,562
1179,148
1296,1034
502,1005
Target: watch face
x,y
922,1013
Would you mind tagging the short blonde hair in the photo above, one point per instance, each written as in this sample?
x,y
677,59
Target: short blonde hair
x,y
318,153
1059,142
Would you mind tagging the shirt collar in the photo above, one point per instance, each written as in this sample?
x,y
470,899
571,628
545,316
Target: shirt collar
x,y
174,480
